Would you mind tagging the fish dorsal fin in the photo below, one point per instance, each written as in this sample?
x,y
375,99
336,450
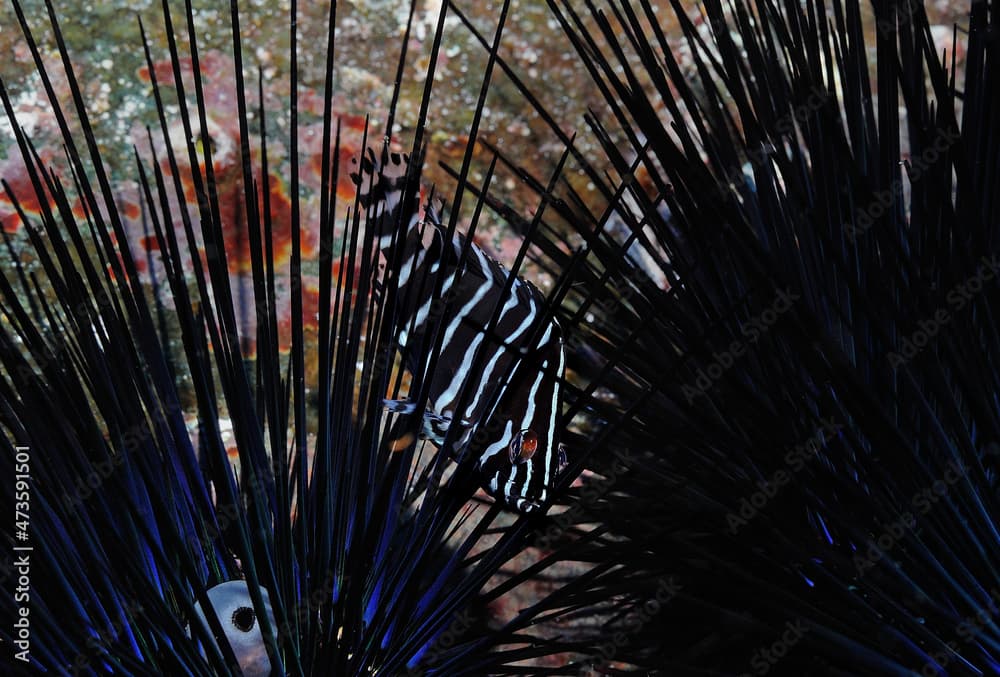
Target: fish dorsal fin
x,y
382,190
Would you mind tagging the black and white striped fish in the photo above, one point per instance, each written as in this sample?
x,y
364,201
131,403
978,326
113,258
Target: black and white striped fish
x,y
509,417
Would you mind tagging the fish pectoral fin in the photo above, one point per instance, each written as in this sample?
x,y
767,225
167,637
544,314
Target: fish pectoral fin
x,y
436,427
399,406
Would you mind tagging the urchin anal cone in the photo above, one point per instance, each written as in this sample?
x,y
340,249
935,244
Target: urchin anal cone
x,y
234,608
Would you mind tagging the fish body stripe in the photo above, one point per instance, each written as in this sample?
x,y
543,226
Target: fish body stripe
x,y
514,371
497,354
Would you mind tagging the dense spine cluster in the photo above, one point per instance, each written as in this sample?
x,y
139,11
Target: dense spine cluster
x,y
768,344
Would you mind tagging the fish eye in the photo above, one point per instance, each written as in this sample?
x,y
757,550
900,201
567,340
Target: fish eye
x,y
523,446
244,618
